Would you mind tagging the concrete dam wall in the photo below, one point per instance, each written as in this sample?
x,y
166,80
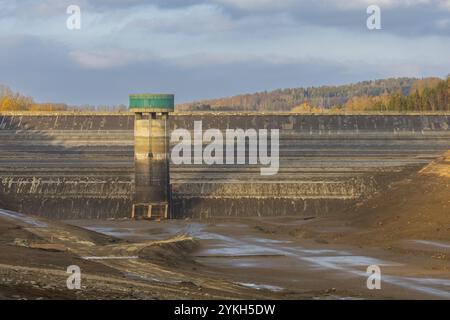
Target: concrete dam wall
x,y
80,165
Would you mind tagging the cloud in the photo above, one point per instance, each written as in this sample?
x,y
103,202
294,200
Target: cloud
x,y
387,4
37,10
445,4
106,58
443,24
197,19
255,5
259,4
208,48
403,17
47,71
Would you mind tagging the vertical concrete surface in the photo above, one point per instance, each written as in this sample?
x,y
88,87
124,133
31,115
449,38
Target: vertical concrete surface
x,y
152,196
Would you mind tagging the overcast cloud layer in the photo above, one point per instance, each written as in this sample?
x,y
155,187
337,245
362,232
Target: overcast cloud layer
x,y
212,48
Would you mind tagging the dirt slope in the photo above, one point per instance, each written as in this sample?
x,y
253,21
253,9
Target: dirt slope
x,y
417,207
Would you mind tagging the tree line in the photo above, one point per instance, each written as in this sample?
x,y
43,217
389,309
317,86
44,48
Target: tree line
x,y
386,95
399,94
13,101
431,96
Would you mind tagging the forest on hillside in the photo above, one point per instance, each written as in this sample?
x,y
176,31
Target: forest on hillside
x,y
431,96
399,94
387,95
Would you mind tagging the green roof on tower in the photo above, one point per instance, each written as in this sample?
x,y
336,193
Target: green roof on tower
x,y
152,102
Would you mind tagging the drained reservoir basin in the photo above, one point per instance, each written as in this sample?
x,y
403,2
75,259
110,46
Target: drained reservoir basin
x,y
352,191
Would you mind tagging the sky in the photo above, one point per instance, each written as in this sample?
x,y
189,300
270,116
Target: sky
x,y
213,48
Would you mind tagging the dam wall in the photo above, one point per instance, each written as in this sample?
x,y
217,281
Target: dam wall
x,y
80,165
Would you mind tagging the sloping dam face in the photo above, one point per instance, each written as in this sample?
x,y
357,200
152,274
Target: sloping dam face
x,y
81,165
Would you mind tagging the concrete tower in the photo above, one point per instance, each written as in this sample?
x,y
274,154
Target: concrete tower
x,y
152,195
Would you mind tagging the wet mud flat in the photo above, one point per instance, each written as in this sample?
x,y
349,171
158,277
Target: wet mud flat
x,y
331,216
405,230
245,253
35,254
244,258
233,258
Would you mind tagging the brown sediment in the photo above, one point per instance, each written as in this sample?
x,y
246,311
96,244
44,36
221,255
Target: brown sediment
x,y
439,167
350,196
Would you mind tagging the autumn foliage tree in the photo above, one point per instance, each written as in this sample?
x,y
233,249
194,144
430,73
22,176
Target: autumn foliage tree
x,y
306,108
430,95
10,101
433,96
326,97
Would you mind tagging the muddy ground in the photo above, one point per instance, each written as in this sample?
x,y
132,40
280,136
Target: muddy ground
x,y
405,230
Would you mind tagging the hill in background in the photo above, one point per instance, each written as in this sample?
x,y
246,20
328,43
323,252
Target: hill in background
x,y
386,95
323,97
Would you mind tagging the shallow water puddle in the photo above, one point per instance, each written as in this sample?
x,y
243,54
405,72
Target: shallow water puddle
x,y
431,286
113,232
261,286
248,253
135,276
440,245
24,218
243,250
111,258
342,262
